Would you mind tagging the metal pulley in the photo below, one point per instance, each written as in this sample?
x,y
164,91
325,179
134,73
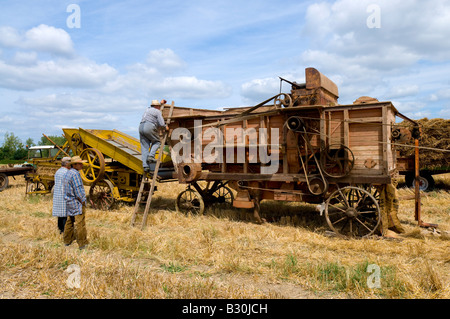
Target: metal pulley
x,y
283,100
295,123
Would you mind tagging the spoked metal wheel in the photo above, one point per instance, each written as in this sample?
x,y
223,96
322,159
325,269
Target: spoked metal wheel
x,y
190,201
36,188
94,169
101,195
223,196
352,212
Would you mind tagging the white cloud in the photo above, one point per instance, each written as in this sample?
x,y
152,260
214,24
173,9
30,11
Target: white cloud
x,y
165,60
5,119
76,73
25,58
402,91
42,38
49,39
409,31
445,112
259,90
189,87
402,60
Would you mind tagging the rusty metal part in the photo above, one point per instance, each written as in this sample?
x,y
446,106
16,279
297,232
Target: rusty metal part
x,y
283,100
318,90
101,195
190,201
189,172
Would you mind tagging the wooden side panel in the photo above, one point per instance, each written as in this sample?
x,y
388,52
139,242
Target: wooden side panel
x,y
335,127
363,129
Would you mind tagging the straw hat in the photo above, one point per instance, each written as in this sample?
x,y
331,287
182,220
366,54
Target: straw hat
x,y
76,160
155,103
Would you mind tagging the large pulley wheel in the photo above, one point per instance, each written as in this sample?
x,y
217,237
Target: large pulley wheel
x,y
283,100
94,169
190,201
101,195
352,212
337,161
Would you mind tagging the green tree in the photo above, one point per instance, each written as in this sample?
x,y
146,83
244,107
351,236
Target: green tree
x,y
29,142
60,140
12,146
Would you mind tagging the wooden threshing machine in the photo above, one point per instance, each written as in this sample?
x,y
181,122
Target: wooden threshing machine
x,y
297,146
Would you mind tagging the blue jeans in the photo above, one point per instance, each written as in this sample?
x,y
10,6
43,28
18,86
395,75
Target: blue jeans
x,y
149,137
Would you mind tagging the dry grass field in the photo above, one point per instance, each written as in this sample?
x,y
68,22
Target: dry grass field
x,y
221,254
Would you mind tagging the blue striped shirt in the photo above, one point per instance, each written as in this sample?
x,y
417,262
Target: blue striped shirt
x,y
154,116
74,192
59,203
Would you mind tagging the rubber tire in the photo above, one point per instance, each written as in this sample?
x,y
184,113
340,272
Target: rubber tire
x,y
4,181
427,179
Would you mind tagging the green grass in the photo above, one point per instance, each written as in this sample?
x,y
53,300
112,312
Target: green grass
x,y
173,267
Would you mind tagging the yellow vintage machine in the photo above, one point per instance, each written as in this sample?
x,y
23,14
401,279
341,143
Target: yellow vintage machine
x,y
45,160
114,169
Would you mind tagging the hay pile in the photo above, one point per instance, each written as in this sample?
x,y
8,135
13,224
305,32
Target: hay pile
x,y
435,134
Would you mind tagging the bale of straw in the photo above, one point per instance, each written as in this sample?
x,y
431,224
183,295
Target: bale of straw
x,y
435,134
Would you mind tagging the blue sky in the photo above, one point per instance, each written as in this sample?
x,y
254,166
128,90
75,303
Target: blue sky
x,y
211,54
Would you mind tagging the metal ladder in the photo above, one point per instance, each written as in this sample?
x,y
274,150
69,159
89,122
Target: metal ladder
x,y
146,180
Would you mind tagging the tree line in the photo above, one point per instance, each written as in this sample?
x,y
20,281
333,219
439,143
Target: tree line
x,y
13,149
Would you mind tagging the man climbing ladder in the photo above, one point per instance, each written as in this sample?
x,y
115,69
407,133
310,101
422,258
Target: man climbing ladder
x,y
145,179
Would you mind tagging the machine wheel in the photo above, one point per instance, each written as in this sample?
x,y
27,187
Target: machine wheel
x,y
223,195
4,181
94,169
426,181
352,212
373,190
101,195
190,201
35,187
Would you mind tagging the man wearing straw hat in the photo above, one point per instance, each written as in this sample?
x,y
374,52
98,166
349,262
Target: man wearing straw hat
x,y
75,197
59,203
152,120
